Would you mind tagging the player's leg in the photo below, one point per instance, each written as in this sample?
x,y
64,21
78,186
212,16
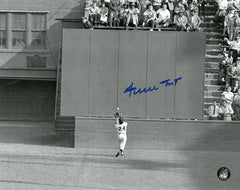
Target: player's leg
x,y
120,140
123,144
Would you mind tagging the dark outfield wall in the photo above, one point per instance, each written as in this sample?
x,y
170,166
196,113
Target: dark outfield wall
x,y
24,99
98,133
98,66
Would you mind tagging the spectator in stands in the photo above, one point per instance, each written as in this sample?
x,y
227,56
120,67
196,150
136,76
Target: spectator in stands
x,y
136,2
227,95
236,24
149,17
221,12
223,67
195,5
94,15
232,4
107,3
193,21
179,7
236,76
170,6
233,74
156,4
181,21
190,8
213,111
163,17
236,105
133,15
184,3
123,15
144,4
235,47
103,11
86,23
229,23
113,12
226,111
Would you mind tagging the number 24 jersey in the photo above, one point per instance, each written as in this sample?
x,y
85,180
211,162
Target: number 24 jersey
x,y
122,128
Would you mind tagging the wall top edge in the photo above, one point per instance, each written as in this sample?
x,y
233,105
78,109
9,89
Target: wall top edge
x,y
23,11
159,120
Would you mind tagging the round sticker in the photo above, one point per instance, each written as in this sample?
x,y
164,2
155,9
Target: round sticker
x,y
224,173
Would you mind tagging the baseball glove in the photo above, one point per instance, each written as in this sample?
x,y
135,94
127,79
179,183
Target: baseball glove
x,y
116,115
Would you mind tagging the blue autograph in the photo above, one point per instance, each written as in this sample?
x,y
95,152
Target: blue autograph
x,y
134,91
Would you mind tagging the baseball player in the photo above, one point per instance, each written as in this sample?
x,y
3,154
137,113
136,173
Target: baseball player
x,y
121,127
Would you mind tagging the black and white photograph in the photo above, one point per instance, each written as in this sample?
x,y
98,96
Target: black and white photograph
x,y
119,94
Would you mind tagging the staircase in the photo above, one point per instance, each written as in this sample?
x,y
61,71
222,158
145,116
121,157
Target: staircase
x,y
214,48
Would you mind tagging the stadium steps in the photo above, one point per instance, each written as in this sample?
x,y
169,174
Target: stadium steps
x,y
214,47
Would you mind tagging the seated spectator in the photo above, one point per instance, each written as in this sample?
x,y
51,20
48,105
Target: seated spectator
x,y
236,105
226,111
149,17
94,15
229,24
144,4
193,21
213,111
123,15
190,8
181,21
223,67
179,7
227,95
221,12
232,77
163,17
114,7
133,15
103,11
86,23
235,47
235,76
170,6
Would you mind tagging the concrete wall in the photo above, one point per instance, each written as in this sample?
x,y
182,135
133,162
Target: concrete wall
x,y
95,133
99,65
56,9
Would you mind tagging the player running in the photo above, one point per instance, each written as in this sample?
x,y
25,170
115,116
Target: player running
x,y
121,127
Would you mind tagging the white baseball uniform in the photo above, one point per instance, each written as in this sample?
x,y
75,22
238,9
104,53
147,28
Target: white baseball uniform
x,y
122,134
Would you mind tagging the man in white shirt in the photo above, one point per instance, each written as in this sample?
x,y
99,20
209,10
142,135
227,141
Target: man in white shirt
x,y
163,17
221,12
213,111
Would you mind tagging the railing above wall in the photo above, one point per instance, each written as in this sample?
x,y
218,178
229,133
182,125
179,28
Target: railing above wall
x,y
77,23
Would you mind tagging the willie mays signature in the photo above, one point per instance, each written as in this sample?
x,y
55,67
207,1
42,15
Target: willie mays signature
x,y
132,90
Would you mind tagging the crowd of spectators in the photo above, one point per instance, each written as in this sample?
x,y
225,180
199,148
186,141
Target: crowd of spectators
x,y
227,17
181,14
229,107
